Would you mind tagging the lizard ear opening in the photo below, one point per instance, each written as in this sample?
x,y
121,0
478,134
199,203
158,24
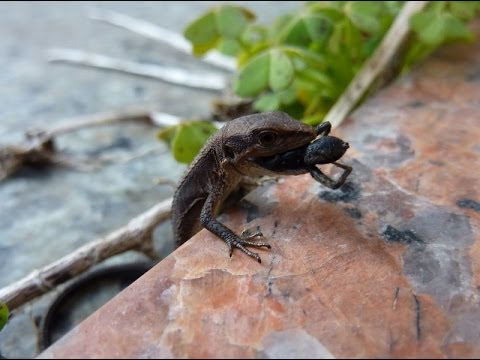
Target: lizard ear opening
x,y
228,151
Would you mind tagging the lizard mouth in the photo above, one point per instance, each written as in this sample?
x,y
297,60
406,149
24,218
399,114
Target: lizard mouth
x,y
292,160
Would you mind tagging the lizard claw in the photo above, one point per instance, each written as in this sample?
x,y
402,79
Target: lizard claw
x,y
245,240
241,244
248,252
247,235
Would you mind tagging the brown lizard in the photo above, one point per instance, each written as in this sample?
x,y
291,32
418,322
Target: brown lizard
x,y
247,146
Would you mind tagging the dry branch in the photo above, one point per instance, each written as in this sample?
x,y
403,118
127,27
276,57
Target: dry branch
x,y
39,148
390,48
160,34
135,113
93,120
173,75
136,235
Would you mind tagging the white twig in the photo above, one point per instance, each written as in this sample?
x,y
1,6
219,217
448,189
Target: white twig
x,y
165,119
137,234
390,47
158,33
136,113
173,75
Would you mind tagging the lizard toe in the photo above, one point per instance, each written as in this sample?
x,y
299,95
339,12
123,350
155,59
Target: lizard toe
x,y
249,234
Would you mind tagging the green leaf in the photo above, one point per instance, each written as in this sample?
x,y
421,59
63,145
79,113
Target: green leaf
x,y
428,27
464,10
231,21
314,119
322,79
253,78
353,39
303,58
279,25
295,33
416,52
167,134
319,27
271,69
334,14
202,33
189,139
253,34
281,70
365,15
295,109
434,29
333,5
229,46
371,44
455,29
4,314
341,70
306,28
287,96
335,41
267,102
249,53
393,7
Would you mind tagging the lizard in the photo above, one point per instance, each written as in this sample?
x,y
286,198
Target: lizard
x,y
248,146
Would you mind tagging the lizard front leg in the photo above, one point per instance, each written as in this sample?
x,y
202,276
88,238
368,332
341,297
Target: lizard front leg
x,y
208,220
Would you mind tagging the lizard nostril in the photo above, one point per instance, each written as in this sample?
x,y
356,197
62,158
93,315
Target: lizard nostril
x,y
345,145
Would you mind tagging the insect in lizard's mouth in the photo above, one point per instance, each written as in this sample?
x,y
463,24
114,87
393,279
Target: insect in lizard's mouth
x,y
324,150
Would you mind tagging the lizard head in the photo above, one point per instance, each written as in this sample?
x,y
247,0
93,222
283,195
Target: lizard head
x,y
248,138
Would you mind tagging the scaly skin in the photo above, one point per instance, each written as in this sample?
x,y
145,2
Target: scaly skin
x,y
225,159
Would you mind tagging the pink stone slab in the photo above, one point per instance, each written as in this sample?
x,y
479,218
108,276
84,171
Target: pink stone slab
x,y
386,267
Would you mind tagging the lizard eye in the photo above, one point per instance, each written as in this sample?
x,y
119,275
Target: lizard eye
x,y
267,138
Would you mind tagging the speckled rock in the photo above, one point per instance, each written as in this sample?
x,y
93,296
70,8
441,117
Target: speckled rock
x,y
388,266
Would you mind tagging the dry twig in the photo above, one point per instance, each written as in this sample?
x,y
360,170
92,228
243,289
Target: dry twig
x,y
158,33
136,235
173,75
39,148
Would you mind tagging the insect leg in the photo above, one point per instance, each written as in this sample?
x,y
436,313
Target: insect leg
x,y
347,170
323,179
323,128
